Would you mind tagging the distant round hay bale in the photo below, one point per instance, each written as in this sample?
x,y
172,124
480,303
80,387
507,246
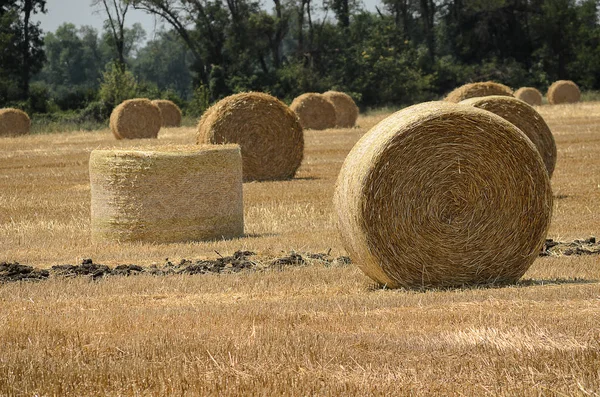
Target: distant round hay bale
x,y
529,95
135,119
169,112
563,91
473,90
346,111
526,119
268,132
166,195
314,111
441,195
14,122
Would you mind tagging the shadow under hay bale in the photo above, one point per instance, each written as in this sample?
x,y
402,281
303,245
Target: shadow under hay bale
x,y
314,111
442,195
170,194
268,132
346,111
14,122
529,95
563,91
135,119
526,119
169,112
474,90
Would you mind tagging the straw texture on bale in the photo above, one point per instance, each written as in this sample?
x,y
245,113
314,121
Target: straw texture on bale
x,y
529,95
169,113
473,90
346,111
526,119
441,195
14,122
135,119
563,91
267,131
314,111
166,195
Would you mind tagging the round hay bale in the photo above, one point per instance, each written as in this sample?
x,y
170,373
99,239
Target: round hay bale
x,y
135,119
14,122
314,111
346,111
529,95
168,194
473,90
526,119
169,112
442,195
268,132
563,91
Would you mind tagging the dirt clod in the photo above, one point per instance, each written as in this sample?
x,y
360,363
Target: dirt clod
x,y
587,246
17,272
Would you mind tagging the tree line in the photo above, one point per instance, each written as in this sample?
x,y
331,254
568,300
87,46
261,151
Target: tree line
x,y
404,52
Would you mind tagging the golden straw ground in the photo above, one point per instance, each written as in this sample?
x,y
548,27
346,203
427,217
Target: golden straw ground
x,y
526,119
267,131
563,91
169,112
14,122
314,111
346,111
441,195
529,95
135,118
167,194
473,90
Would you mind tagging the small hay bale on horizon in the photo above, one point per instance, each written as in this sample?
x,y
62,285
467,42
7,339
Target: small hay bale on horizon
x,y
524,117
480,89
136,119
563,91
346,111
167,194
170,113
314,111
530,95
268,132
14,122
443,195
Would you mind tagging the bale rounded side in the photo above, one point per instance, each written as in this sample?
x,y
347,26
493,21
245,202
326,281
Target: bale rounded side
x,y
524,117
314,111
473,90
167,194
268,132
170,113
441,195
136,119
14,122
563,91
530,95
346,111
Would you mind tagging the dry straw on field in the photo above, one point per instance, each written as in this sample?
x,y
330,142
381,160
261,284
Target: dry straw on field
x,y
135,118
165,195
530,95
14,122
169,113
315,111
267,131
473,90
563,91
441,194
526,119
346,111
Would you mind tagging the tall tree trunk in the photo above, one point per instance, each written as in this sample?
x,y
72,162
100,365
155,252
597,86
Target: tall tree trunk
x,y
26,67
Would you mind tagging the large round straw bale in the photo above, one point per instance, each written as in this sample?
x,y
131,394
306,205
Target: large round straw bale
x,y
346,111
440,195
165,195
563,91
14,122
473,90
526,119
532,96
314,111
169,112
135,118
268,132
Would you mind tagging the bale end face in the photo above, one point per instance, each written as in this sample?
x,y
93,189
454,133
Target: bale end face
x,y
346,111
14,122
170,113
529,95
563,92
136,119
314,111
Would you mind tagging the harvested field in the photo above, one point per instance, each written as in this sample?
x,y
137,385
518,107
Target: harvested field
x,y
316,327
